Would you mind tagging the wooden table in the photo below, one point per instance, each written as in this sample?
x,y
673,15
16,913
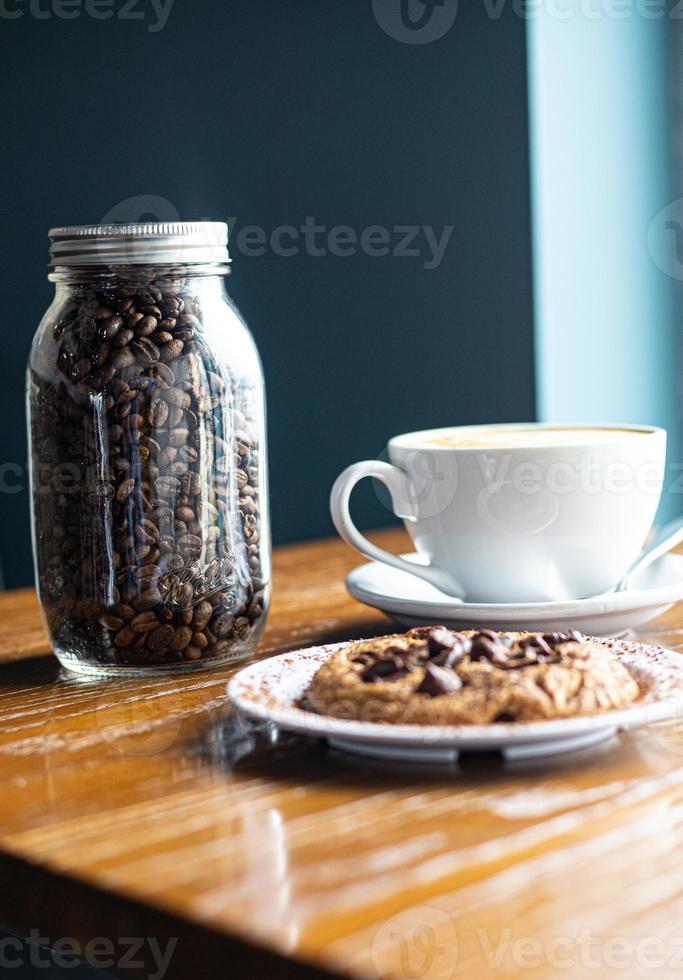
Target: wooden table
x,y
147,809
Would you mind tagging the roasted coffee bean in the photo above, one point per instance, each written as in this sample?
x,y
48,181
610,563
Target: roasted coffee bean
x,y
191,544
125,637
188,454
124,359
124,491
165,374
144,622
110,327
125,612
172,306
167,486
188,322
145,349
176,397
147,600
182,638
175,415
171,350
222,624
180,592
242,627
166,456
123,303
144,575
202,614
161,638
123,337
111,622
145,326
178,437
192,653
158,413
147,530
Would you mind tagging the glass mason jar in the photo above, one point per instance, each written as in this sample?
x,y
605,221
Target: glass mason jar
x,y
147,450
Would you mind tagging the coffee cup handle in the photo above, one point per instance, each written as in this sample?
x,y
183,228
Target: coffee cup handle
x,y
397,483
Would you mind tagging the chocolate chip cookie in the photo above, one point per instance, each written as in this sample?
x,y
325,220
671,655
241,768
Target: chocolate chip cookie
x,y
433,675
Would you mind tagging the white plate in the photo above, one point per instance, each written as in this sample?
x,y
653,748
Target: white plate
x,y
412,602
270,690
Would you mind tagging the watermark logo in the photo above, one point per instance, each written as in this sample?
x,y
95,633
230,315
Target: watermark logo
x,y
141,207
664,716
418,942
665,239
422,21
415,21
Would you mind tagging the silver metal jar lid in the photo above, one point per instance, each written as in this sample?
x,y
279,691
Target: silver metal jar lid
x,y
153,243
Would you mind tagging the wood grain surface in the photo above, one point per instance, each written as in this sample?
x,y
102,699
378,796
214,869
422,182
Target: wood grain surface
x,y
147,809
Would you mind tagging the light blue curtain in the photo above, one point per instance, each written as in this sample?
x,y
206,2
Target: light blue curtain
x,y
605,303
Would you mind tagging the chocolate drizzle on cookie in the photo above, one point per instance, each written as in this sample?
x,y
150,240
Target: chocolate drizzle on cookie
x,y
439,680
541,649
439,651
392,663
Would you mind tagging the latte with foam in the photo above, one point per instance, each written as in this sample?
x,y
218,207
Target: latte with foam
x,y
525,437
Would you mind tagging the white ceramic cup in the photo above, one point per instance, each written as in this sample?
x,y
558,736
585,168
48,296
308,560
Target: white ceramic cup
x,y
542,512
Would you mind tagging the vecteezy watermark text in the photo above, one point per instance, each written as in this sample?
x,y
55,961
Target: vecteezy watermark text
x,y
126,953
423,21
423,940
343,241
154,13
305,235
560,477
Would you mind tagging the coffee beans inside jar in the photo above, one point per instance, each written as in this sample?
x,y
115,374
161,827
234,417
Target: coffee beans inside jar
x,y
148,470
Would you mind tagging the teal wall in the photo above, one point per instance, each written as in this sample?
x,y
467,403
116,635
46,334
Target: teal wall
x,y
606,314
272,113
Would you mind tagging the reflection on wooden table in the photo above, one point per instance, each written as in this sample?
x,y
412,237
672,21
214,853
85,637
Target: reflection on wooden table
x,y
147,808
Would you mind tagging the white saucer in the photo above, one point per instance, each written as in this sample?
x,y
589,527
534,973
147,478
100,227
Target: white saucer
x,y
271,690
413,602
